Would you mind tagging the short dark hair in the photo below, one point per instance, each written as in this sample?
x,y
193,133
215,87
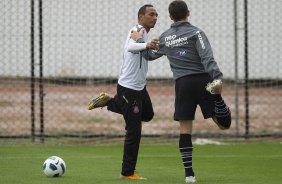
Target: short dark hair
x,y
142,10
178,10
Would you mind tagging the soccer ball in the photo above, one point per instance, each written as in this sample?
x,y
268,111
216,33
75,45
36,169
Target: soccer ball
x,y
54,166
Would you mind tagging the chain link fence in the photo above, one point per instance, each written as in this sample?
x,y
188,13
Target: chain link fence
x,y
56,55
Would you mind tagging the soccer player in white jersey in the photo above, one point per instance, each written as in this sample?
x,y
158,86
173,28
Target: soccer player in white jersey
x,y
132,99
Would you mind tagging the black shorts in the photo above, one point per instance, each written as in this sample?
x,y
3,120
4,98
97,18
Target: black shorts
x,y
189,92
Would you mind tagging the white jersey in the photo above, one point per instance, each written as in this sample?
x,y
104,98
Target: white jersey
x,y
134,68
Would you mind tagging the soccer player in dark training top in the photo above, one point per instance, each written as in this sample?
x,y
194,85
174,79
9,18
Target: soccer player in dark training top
x,y
198,79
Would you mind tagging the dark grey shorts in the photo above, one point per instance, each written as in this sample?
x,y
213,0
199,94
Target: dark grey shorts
x,y
189,92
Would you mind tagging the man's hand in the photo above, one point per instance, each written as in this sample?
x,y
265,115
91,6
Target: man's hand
x,y
153,44
137,35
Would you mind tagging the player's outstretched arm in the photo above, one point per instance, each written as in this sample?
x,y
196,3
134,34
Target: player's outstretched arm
x,y
139,46
133,46
152,52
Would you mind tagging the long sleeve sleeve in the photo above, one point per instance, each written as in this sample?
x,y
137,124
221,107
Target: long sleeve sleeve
x,y
135,47
206,54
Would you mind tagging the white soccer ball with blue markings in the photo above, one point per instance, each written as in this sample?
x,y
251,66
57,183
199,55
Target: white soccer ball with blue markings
x,y
54,166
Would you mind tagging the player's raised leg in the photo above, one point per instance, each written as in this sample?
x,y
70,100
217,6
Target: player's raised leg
x,y
222,114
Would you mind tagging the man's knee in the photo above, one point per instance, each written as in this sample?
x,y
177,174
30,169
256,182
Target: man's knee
x,y
148,118
224,122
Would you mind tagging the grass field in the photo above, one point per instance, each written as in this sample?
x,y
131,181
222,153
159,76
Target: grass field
x,y
250,163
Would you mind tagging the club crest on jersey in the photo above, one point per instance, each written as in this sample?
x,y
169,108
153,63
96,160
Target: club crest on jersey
x,y
180,53
136,109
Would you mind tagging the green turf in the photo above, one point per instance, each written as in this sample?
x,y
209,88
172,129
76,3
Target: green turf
x,y
250,163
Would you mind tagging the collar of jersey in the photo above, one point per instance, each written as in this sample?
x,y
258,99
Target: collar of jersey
x,y
179,23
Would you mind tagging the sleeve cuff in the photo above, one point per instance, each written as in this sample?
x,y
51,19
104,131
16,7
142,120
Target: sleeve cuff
x,y
140,40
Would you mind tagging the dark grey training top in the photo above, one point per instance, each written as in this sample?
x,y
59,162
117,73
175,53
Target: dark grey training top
x,y
188,51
